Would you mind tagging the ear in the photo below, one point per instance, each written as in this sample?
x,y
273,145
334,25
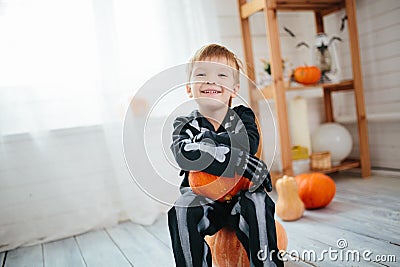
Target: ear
x,y
189,91
235,90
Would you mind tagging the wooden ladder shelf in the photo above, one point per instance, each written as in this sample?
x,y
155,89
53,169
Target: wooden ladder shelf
x,y
277,90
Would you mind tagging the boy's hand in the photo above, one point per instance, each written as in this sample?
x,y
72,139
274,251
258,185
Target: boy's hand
x,y
255,170
248,165
203,135
198,137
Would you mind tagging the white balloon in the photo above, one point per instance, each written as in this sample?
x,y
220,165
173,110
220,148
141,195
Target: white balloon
x,y
334,138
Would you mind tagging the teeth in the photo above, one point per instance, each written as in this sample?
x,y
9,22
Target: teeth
x,y
210,92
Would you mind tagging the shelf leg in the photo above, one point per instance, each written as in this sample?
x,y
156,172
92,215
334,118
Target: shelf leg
x,y
250,72
328,105
319,22
248,56
279,88
358,89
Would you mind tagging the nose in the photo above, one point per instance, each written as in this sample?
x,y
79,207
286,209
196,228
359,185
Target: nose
x,y
208,82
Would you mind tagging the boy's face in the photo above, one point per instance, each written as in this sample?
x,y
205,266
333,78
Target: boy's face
x,y
212,83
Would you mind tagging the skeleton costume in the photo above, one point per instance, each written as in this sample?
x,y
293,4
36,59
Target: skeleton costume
x,y
229,150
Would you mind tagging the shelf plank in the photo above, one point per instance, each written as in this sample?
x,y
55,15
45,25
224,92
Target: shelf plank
x,y
312,5
268,91
342,86
325,7
346,165
249,8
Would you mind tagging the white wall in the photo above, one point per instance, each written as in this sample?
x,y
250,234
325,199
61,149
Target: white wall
x,y
378,26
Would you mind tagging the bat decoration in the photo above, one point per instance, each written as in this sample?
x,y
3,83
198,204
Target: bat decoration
x,y
343,23
333,39
302,44
289,32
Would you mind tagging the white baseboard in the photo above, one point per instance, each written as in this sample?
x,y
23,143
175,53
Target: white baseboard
x,y
386,172
379,171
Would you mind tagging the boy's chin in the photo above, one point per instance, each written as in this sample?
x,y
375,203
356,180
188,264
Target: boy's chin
x,y
210,103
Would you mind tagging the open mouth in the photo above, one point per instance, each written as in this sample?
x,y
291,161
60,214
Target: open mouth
x,y
210,92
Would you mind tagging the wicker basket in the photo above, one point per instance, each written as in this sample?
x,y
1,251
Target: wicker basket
x,y
320,161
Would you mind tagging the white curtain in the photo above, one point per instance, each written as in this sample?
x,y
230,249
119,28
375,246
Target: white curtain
x,y
68,70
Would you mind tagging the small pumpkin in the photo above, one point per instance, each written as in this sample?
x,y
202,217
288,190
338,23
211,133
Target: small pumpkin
x,y
307,74
217,187
227,251
289,206
316,189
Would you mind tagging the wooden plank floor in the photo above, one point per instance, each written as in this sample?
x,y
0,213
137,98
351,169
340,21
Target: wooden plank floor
x,y
365,215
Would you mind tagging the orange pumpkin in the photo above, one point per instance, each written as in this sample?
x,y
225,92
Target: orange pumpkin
x,y
281,236
307,74
316,190
227,251
217,187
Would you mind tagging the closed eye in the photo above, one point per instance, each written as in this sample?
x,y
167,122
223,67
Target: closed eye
x,y
200,75
222,75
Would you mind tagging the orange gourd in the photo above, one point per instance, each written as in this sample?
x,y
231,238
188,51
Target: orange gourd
x,y
307,74
227,251
289,206
217,187
281,236
316,189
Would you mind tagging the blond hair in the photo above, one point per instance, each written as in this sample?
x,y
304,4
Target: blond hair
x,y
215,51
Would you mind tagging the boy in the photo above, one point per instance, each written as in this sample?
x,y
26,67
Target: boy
x,y
221,141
